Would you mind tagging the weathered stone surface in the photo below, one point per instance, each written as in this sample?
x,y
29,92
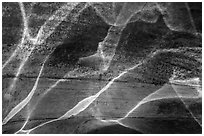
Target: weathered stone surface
x,y
150,57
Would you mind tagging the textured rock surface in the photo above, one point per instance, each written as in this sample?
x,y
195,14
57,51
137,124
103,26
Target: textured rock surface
x,y
161,51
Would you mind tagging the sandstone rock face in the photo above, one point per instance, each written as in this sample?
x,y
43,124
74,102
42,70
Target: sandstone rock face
x,y
110,68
